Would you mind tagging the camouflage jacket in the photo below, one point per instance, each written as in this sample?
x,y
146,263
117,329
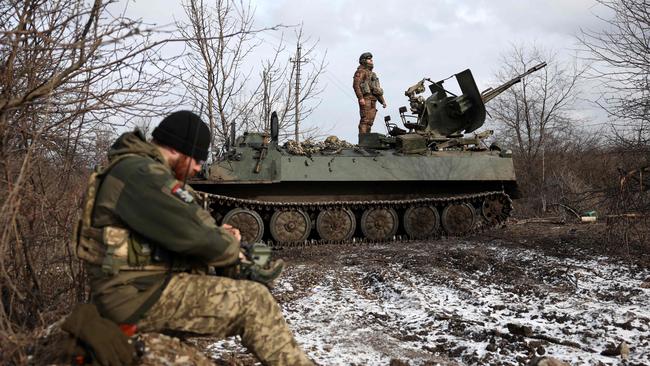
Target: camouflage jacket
x,y
366,84
140,193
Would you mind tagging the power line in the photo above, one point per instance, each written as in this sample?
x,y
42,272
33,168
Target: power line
x,y
339,85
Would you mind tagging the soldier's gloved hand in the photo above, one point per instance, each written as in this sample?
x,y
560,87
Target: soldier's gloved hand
x,y
265,275
257,264
109,345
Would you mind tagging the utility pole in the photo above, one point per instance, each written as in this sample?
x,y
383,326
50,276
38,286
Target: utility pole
x,y
265,100
298,60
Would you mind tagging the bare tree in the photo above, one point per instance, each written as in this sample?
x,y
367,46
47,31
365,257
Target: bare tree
x,y
620,55
145,125
70,73
222,38
534,114
278,80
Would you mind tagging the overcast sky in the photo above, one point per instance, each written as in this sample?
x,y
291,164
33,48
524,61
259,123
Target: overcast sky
x,y
409,40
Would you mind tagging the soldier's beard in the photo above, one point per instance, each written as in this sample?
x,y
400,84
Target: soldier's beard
x,y
182,169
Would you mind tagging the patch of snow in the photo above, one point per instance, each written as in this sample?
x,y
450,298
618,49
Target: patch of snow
x,y
355,316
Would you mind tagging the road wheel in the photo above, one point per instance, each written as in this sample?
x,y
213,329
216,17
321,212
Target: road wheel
x,y
379,223
248,222
290,226
336,224
421,222
458,218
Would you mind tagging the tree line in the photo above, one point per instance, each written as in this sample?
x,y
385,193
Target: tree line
x,y
559,158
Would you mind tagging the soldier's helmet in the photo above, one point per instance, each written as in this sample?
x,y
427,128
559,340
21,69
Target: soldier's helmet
x,y
364,56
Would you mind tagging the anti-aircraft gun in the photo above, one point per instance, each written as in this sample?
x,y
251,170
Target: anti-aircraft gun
x,y
443,118
417,182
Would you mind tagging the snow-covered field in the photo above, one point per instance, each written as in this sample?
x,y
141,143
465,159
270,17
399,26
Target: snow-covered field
x,y
464,302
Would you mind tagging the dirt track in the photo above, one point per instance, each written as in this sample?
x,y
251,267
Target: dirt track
x,y
498,298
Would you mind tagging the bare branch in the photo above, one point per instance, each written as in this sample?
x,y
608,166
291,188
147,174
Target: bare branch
x,y
620,54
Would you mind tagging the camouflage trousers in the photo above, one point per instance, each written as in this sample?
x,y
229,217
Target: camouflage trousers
x,y
225,307
367,113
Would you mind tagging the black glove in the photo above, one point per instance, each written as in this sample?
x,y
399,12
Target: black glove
x,y
109,345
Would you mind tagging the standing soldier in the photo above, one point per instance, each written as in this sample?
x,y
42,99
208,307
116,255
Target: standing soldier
x,y
366,87
146,240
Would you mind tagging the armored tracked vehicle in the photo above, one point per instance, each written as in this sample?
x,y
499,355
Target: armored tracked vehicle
x,y
433,177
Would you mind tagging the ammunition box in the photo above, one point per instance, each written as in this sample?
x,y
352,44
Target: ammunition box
x,y
411,144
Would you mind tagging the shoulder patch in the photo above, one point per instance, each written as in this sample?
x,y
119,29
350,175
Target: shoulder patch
x,y
176,189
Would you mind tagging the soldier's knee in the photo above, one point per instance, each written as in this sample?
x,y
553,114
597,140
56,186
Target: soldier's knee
x,y
258,287
258,301
258,292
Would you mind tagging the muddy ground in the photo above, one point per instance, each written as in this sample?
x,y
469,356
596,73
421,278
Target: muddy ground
x,y
496,298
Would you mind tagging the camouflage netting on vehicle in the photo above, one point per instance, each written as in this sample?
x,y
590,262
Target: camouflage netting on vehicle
x,y
332,145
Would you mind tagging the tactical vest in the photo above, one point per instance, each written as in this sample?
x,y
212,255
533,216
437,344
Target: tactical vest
x,y
375,88
370,86
111,247
365,87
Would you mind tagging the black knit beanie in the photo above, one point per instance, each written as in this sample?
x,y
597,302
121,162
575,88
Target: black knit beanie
x,y
185,132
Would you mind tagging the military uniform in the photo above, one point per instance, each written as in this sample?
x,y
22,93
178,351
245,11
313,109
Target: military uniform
x,y
366,86
141,236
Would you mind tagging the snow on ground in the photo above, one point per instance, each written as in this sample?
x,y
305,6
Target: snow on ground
x,y
355,311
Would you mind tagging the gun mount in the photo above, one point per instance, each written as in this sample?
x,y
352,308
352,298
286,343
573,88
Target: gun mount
x,y
444,115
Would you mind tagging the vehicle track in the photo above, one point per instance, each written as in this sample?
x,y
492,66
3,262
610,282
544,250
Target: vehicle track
x,y
291,224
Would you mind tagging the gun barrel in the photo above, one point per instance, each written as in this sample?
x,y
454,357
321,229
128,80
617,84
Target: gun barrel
x,y
492,93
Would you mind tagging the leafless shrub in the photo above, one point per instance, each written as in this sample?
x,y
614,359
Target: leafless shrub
x,y
70,74
533,117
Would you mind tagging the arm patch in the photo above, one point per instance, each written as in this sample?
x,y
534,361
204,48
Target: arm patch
x,y
176,189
